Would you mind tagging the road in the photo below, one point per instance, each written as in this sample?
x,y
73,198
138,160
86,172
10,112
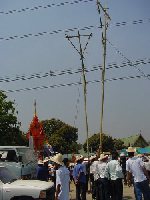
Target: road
x,y
128,193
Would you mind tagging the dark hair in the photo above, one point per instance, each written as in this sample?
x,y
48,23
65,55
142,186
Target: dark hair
x,y
65,160
130,154
115,155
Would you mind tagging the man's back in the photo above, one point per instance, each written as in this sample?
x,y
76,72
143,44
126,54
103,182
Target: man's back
x,y
134,165
63,178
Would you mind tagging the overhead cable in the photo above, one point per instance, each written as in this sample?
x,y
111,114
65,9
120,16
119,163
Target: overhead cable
x,y
71,72
130,62
43,7
73,84
28,35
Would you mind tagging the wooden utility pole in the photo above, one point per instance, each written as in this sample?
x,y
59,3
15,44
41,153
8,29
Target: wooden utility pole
x,y
81,53
104,26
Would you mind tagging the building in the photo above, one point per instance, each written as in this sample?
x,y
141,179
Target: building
x,y
135,141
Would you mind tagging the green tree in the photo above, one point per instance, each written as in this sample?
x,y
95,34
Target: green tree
x,y
10,133
108,143
60,135
118,144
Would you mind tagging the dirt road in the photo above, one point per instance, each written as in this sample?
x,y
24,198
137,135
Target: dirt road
x,y
128,193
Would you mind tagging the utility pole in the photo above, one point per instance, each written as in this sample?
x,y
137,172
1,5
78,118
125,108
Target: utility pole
x,y
104,26
81,52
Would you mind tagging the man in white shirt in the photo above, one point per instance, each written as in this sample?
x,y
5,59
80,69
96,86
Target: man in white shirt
x,y
62,178
93,176
135,168
114,172
103,184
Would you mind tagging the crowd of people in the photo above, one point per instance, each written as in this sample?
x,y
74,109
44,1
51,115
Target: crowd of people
x,y
103,176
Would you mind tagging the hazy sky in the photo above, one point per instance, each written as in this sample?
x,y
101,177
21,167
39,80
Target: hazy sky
x,y
32,41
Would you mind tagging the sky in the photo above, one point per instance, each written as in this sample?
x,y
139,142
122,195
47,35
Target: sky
x,y
33,42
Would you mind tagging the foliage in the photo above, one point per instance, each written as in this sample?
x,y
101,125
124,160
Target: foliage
x,y
119,144
60,135
10,133
108,143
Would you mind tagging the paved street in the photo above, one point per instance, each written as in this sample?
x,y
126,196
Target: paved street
x,y
128,193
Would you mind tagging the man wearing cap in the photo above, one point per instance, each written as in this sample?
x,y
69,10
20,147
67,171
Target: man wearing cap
x,y
103,185
113,170
80,179
136,169
123,165
62,178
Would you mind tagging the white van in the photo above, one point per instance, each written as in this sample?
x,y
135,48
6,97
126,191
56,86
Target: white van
x,y
21,160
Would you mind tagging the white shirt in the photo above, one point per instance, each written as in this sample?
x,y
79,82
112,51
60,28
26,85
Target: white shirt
x,y
100,169
134,165
93,169
113,170
63,178
147,165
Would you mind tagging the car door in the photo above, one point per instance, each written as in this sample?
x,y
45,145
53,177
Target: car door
x,y
14,167
1,190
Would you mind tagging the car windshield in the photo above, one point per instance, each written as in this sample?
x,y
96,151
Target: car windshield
x,y
6,176
28,155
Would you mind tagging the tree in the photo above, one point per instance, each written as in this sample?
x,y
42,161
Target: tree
x,y
10,133
118,144
108,143
60,135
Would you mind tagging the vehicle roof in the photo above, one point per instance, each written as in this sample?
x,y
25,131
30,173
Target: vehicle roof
x,y
12,147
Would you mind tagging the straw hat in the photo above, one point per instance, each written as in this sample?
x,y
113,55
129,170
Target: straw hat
x,y
58,158
40,162
130,149
79,158
102,157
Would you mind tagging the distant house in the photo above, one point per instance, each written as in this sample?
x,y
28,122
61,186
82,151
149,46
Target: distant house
x,y
135,141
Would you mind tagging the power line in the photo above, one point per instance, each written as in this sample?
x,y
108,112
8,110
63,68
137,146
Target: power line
x,y
35,8
74,84
72,72
120,53
40,34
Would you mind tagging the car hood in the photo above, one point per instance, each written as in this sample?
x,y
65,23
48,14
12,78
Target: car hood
x,y
32,183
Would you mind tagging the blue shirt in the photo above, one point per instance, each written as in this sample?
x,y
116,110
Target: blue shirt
x,y
78,173
42,173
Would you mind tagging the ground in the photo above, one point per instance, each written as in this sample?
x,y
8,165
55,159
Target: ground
x,y
128,193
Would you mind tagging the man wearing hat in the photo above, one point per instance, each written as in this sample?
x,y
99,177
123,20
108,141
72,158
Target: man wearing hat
x,y
62,178
113,170
136,169
80,179
103,186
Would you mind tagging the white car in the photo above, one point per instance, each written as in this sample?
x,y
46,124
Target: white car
x,y
21,160
13,189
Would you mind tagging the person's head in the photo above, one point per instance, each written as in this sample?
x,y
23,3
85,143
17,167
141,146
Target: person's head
x,y
40,163
131,152
115,155
103,158
66,162
45,161
79,159
57,160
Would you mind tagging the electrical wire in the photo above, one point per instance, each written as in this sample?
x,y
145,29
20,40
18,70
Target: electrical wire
x,y
130,62
74,84
40,75
44,7
28,35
